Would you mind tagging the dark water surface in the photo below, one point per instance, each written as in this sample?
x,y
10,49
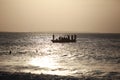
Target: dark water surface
x,y
95,55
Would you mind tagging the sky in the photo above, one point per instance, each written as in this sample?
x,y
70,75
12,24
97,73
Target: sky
x,y
82,16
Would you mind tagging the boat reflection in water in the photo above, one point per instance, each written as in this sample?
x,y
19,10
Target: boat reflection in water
x,y
65,39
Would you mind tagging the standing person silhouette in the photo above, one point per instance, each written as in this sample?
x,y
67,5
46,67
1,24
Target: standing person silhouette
x,y
75,37
53,36
72,38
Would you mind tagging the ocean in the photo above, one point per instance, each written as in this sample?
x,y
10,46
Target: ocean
x,y
96,55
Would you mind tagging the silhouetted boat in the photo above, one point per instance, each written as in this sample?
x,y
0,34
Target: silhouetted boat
x,y
67,39
63,41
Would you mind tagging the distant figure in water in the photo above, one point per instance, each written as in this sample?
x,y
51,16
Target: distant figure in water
x,y
36,51
10,52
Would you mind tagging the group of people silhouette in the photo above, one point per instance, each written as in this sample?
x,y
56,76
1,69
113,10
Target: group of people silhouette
x,y
65,38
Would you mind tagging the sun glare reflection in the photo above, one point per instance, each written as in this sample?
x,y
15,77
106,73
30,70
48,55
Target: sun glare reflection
x,y
46,62
56,64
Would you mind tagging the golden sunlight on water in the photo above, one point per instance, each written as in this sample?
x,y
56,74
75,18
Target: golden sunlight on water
x,y
44,61
49,63
55,60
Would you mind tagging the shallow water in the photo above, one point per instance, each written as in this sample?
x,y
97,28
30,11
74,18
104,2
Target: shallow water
x,y
92,55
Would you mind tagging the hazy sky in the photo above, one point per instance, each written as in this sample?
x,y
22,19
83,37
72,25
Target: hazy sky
x,y
60,16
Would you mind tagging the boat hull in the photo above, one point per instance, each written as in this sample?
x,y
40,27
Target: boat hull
x,y
63,41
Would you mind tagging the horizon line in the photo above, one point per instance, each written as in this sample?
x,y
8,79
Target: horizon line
x,y
60,32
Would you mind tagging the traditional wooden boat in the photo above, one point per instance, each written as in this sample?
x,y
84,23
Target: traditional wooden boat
x,y
68,39
63,41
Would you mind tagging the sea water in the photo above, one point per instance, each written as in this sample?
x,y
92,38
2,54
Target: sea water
x,y
92,55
